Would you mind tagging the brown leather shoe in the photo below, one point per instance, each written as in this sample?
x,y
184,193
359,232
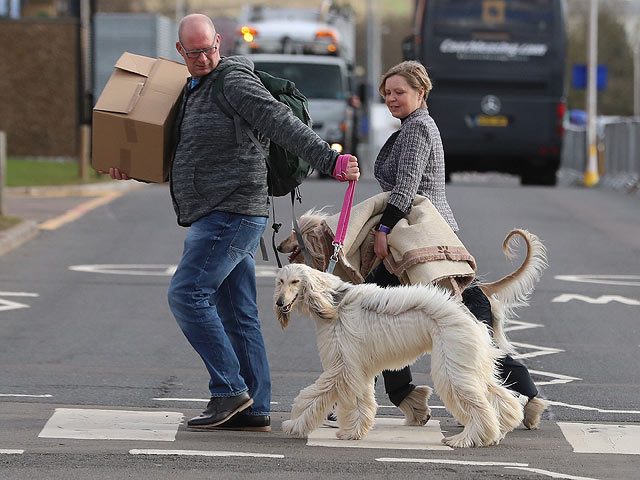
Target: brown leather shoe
x,y
221,409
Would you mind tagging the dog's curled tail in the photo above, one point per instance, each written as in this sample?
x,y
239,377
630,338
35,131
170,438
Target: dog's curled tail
x,y
515,289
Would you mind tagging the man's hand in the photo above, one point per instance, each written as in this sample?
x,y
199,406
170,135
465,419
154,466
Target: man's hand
x,y
116,174
353,171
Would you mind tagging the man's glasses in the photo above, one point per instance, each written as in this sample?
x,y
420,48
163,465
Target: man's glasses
x,y
196,53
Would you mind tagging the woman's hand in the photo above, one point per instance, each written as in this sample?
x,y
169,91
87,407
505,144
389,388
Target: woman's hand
x,y
380,245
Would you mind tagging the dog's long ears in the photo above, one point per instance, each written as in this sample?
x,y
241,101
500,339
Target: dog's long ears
x,y
320,299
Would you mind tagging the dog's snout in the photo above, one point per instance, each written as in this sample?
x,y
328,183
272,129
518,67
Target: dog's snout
x,y
279,302
279,248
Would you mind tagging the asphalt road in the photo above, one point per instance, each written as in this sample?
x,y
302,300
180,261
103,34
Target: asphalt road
x,y
87,339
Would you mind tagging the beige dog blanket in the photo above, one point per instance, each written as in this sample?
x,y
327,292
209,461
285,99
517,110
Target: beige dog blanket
x,y
424,249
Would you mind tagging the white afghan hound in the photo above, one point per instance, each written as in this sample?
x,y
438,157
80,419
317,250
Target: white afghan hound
x,y
505,296
364,329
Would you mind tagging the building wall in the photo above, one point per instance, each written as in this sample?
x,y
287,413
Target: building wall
x,y
39,87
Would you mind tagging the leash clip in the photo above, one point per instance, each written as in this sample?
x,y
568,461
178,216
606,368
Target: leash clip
x,y
333,260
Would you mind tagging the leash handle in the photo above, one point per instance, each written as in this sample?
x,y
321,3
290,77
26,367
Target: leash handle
x,y
343,223
345,213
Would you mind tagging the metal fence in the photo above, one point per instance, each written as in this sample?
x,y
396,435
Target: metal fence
x,y
147,34
619,154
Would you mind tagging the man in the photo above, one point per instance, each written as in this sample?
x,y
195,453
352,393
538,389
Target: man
x,y
219,190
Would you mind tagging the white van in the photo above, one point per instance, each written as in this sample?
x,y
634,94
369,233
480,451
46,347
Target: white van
x,y
324,80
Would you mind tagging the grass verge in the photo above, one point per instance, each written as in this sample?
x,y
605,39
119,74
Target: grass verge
x,y
31,173
8,222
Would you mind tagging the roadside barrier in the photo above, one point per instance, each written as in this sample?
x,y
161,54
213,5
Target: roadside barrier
x,y
573,158
622,154
620,141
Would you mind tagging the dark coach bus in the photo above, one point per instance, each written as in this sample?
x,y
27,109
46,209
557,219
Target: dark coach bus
x,y
498,72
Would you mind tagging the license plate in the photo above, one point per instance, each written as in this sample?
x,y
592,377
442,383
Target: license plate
x,y
492,121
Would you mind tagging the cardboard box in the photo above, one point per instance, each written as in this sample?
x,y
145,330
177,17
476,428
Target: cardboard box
x,y
133,118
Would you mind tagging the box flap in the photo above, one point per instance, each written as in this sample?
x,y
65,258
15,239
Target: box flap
x,y
119,97
135,63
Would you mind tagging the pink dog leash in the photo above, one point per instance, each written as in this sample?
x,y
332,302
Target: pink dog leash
x,y
343,223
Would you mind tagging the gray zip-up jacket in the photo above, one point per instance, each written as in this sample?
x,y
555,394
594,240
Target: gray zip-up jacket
x,y
210,171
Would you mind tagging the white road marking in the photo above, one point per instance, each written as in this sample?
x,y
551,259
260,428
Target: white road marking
x,y
630,280
178,399
599,438
47,395
155,270
93,424
538,351
8,451
557,378
451,462
18,294
386,432
6,305
601,300
551,474
512,325
202,453
430,406
584,407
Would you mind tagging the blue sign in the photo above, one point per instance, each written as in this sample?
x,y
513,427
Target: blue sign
x,y
579,77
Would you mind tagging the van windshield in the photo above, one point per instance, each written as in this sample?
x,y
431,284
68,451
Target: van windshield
x,y
315,81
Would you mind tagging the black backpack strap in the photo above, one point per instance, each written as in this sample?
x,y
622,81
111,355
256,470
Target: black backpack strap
x,y
276,228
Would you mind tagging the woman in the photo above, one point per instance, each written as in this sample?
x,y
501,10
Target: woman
x,y
412,162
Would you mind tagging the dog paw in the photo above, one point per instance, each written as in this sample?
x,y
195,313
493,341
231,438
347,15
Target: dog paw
x,y
289,428
459,441
349,435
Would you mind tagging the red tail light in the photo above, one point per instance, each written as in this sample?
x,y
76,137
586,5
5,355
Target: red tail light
x,y
561,110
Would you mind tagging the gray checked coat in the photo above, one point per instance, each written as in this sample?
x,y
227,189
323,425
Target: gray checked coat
x,y
411,163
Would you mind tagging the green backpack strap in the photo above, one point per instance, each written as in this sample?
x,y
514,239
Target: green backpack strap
x,y
229,111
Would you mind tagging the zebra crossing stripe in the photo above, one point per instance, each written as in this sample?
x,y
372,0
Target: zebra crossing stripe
x,y
602,438
94,424
9,451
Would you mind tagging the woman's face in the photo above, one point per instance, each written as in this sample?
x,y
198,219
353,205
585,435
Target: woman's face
x,y
400,97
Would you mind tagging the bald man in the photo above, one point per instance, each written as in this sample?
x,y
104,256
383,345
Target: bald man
x,y
219,190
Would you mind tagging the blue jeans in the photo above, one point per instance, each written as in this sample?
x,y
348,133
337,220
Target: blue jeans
x,y
213,298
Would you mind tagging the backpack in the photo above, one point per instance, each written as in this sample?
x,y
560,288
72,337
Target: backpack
x,y
285,171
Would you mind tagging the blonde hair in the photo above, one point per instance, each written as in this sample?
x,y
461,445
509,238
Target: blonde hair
x,y
414,73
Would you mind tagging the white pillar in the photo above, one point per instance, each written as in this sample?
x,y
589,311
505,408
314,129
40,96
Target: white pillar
x,y
374,54
636,80
591,170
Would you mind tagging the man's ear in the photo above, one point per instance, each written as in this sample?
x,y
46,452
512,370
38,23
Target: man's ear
x,y
178,48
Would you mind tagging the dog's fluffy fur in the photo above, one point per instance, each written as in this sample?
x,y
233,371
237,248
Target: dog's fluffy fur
x,y
505,296
364,329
